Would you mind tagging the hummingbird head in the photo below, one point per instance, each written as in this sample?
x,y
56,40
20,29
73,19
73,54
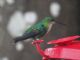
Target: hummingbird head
x,y
52,19
49,19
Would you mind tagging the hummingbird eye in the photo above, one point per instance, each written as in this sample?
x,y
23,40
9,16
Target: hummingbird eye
x,y
52,19
42,25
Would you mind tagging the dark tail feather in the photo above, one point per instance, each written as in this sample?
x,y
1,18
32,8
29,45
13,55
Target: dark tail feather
x,y
26,36
17,39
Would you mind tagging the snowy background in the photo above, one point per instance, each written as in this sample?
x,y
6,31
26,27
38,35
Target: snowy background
x,y
18,15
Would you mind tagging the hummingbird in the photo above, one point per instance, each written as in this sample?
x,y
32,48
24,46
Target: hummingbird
x,y
38,30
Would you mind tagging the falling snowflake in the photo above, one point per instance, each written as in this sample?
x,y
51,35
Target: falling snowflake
x,y
16,24
10,1
2,3
30,17
55,9
5,58
19,46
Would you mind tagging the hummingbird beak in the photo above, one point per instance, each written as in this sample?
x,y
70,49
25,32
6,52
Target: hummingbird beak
x,y
60,23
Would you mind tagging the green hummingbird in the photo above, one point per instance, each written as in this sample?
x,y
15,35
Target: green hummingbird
x,y
37,30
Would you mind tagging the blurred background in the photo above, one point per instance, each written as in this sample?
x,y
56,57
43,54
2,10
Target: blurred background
x,y
16,15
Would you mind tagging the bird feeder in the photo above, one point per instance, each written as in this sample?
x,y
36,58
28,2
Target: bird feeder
x,y
67,48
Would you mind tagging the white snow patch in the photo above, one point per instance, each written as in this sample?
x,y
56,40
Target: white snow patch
x,y
10,1
19,46
5,58
55,9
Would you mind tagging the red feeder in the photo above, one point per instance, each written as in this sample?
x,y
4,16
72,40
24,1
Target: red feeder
x,y
67,48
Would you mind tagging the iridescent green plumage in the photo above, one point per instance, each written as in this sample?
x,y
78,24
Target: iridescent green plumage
x,y
38,30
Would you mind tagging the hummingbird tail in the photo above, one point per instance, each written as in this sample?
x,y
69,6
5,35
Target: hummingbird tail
x,y
17,39
26,36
